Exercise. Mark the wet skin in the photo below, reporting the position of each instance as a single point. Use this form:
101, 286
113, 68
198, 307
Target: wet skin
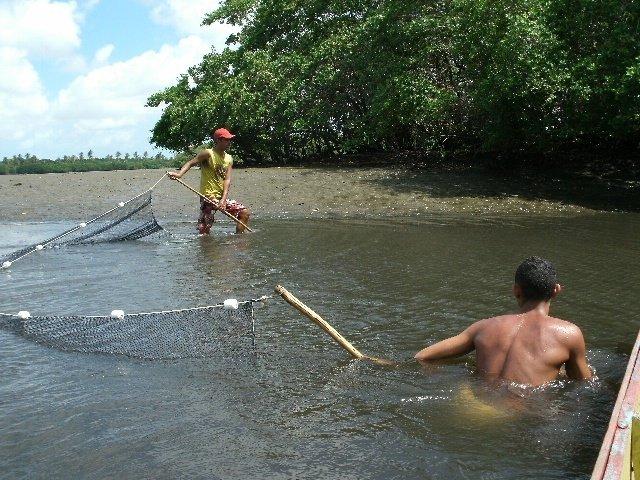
528, 348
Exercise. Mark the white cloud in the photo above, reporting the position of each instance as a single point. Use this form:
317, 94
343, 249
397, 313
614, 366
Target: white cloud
186, 16
32, 29
128, 84
23, 104
20, 77
41, 28
103, 54
104, 109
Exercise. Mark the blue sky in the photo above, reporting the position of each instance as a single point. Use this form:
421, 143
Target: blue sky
76, 74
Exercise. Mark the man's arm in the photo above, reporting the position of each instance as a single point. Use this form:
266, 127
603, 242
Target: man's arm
200, 157
461, 344
577, 367
225, 187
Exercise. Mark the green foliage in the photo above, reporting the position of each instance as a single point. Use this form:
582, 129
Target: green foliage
314, 77
551, 73
20, 164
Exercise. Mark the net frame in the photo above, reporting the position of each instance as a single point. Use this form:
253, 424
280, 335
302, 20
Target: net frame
140, 232
158, 335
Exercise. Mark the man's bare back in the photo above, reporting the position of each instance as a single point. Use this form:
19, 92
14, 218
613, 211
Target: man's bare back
527, 348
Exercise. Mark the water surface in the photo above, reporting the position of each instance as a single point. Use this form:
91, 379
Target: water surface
300, 408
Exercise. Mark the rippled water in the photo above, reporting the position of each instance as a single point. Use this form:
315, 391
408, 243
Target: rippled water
300, 408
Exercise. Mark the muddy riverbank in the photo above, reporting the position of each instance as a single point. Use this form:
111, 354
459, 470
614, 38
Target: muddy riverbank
321, 192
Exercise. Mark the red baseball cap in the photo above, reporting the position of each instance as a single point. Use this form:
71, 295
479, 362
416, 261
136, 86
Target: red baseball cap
223, 133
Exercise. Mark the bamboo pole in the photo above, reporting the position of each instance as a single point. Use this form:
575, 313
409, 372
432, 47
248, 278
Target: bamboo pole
215, 204
318, 320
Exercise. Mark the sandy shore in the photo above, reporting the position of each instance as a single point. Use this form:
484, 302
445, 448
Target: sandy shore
303, 192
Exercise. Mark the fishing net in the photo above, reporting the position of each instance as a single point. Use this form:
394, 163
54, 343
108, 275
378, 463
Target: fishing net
128, 221
189, 333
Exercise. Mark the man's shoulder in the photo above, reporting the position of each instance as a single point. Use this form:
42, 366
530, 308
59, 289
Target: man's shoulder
223, 158
491, 323
565, 333
498, 319
204, 154
563, 327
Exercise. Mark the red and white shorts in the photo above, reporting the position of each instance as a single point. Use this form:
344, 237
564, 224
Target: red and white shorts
207, 210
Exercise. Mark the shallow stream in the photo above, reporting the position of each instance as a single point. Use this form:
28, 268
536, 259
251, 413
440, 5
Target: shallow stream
300, 408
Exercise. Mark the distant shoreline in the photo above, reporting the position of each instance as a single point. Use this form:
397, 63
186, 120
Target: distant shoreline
616, 163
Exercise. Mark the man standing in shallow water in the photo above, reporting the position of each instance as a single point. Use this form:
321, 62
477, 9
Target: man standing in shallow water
528, 348
215, 180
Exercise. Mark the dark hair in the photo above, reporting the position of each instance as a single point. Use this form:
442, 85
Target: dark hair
537, 278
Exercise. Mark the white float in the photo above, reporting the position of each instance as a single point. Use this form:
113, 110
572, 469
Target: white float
119, 314
6, 264
23, 315
231, 304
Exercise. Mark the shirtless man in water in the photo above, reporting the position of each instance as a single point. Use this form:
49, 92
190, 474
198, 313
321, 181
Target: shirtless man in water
526, 348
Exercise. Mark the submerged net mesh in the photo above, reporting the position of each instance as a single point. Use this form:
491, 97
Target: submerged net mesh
134, 219
190, 333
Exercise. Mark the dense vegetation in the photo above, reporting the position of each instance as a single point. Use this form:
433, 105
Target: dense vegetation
317, 77
85, 163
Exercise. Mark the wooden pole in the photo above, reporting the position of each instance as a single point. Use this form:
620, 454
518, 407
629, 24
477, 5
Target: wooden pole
215, 204
318, 320
608, 463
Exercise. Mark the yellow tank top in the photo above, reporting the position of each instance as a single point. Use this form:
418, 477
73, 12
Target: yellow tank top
212, 173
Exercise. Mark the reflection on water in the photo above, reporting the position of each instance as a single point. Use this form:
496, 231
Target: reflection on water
301, 408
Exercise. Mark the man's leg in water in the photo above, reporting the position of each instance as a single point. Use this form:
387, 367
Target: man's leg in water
206, 217
243, 216
239, 211
481, 403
